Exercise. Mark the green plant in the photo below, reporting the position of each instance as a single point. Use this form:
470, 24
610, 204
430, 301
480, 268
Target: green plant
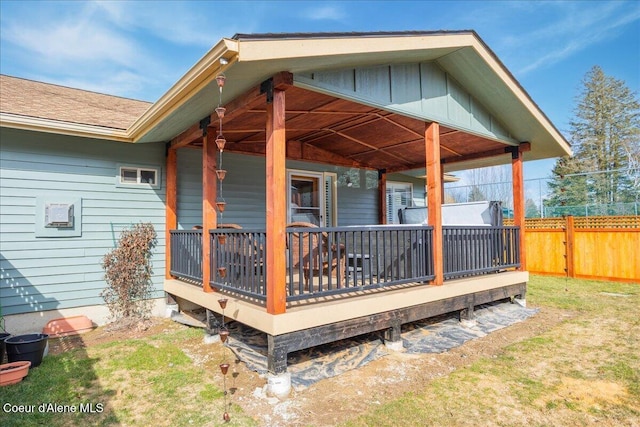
128, 273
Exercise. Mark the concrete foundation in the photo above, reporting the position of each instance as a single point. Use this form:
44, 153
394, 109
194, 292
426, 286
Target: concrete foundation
26, 323
279, 385
394, 345
522, 302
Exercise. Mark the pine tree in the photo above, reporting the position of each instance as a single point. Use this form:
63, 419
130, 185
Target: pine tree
531, 209
605, 135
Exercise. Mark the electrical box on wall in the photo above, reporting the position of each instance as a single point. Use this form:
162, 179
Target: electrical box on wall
58, 215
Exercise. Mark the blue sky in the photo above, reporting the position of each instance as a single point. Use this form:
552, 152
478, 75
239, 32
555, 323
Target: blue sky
138, 49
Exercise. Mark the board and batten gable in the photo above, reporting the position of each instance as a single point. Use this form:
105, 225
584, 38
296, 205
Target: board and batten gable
64, 271
420, 90
244, 190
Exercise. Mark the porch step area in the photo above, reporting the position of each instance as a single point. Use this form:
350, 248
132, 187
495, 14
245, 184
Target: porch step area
435, 335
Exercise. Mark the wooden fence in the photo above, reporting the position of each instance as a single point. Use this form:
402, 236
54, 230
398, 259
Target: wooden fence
606, 247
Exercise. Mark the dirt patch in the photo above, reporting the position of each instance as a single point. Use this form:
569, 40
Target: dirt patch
113, 331
336, 399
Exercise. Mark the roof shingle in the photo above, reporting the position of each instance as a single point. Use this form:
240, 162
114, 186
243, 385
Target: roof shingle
48, 101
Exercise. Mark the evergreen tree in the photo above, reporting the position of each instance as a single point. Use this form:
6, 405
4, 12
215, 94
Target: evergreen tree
531, 209
605, 135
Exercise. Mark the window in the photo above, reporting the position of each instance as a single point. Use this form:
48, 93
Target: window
399, 196
312, 198
138, 176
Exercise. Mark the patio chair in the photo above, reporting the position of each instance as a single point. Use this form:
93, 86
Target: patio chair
312, 252
242, 253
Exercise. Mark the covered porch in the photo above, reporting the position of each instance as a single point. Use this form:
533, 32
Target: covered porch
380, 114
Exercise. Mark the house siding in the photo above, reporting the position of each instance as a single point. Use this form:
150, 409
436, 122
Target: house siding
244, 191
49, 273
421, 90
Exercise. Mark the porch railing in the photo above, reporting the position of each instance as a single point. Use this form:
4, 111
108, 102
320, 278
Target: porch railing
186, 254
332, 260
473, 250
238, 263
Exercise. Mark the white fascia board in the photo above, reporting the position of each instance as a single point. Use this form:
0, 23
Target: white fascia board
38, 124
201, 74
509, 81
283, 49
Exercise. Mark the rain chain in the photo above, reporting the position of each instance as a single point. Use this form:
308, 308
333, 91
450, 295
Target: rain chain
224, 366
220, 142
222, 271
220, 173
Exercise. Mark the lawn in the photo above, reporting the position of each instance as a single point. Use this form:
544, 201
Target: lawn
581, 369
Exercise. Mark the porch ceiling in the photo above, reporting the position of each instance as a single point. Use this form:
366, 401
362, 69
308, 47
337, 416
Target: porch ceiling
327, 129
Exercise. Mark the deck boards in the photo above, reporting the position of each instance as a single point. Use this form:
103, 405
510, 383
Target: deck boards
318, 312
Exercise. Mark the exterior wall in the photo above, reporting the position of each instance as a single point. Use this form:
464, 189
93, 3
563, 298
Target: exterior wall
418, 186
244, 190
33, 322
421, 90
62, 272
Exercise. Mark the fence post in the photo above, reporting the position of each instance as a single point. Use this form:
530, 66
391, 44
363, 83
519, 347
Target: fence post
569, 238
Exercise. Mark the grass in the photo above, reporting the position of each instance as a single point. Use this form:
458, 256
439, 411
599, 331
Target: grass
147, 381
583, 371
586, 370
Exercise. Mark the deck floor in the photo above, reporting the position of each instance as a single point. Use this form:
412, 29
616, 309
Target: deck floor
340, 308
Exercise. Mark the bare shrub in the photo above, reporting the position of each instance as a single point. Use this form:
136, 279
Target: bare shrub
128, 273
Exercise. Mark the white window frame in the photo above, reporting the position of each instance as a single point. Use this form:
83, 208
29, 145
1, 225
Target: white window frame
322, 178
139, 170
391, 210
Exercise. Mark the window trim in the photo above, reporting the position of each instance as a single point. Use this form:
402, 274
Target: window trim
139, 169
392, 185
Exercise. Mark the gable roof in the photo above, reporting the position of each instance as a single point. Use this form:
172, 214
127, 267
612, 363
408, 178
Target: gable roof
249, 59
28, 100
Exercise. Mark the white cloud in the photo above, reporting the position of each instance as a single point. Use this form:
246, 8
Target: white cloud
575, 29
186, 23
324, 13
73, 41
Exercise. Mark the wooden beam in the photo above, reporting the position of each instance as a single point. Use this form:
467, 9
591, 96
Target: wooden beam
525, 146
382, 196
193, 133
434, 196
518, 201
276, 204
234, 108
253, 97
297, 150
171, 209
209, 193
279, 346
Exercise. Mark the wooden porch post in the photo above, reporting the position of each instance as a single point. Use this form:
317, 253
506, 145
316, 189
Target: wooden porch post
209, 220
171, 218
434, 196
382, 196
518, 201
276, 204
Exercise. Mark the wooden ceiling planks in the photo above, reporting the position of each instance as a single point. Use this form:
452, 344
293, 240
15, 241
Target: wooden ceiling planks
338, 131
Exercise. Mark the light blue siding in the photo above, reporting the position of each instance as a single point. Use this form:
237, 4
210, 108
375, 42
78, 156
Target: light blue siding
49, 273
244, 191
421, 90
